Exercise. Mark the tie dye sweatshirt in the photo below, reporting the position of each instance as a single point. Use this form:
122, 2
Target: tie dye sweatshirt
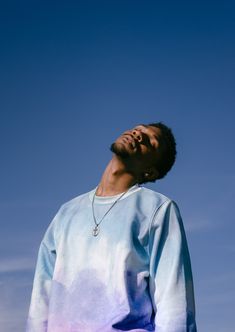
134, 276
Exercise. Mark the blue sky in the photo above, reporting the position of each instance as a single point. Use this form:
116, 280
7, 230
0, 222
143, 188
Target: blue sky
73, 76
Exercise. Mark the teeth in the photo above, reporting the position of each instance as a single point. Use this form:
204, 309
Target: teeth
133, 144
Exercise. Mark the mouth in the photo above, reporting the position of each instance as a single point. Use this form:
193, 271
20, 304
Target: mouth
130, 140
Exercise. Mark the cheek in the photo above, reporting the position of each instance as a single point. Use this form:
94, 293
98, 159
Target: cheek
151, 159
144, 158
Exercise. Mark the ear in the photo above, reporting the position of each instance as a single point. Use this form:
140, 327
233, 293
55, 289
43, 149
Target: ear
151, 174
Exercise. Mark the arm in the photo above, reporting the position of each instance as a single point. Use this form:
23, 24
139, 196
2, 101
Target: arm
38, 311
171, 284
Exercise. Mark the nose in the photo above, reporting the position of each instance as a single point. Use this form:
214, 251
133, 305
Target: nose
137, 135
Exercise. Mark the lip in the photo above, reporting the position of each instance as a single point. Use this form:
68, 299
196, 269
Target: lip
130, 140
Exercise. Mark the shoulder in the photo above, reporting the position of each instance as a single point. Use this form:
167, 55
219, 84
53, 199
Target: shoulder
161, 204
68, 209
150, 202
74, 202
154, 197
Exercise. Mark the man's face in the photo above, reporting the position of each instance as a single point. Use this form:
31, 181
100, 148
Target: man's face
140, 145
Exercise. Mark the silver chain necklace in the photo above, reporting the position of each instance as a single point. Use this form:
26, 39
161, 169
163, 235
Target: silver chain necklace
96, 230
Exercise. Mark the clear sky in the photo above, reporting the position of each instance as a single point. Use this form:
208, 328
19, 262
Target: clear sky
76, 74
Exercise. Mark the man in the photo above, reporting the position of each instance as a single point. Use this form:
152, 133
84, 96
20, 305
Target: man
116, 258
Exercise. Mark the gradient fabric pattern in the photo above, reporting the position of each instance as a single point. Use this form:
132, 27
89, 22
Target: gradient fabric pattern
134, 276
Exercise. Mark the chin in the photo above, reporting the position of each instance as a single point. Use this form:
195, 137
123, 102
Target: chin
119, 150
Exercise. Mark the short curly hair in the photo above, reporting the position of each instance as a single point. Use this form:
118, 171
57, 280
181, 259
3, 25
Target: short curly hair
167, 150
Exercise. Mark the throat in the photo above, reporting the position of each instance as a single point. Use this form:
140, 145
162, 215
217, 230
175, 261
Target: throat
115, 179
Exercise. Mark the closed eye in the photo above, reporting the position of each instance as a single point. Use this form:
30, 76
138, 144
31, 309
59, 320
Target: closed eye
152, 139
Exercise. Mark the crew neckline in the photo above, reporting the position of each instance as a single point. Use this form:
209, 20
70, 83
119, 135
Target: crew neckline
111, 199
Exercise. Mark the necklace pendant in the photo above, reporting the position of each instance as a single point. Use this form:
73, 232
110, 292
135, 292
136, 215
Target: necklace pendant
95, 231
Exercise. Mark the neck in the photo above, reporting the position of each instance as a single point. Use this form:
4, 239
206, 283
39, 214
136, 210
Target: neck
115, 179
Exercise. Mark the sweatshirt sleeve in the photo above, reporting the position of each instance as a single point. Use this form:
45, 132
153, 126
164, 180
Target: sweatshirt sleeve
38, 311
171, 284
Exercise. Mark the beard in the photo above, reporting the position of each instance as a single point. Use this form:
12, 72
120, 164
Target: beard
119, 150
